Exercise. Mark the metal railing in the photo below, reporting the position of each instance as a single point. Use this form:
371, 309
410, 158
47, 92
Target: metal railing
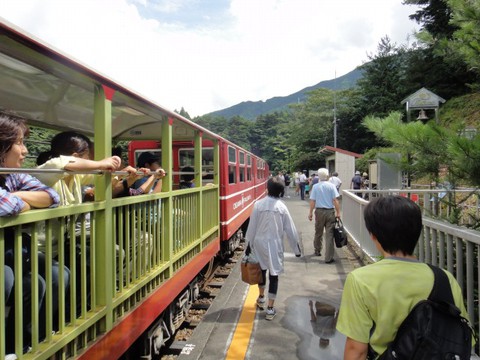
144, 250
449, 246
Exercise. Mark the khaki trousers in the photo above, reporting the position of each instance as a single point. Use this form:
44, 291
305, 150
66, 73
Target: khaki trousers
324, 221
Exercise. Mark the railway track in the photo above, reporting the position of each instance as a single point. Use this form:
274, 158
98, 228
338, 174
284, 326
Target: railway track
215, 279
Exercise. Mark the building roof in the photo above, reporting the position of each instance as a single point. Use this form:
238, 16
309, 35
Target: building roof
423, 99
330, 150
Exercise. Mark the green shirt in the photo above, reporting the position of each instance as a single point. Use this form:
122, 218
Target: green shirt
384, 293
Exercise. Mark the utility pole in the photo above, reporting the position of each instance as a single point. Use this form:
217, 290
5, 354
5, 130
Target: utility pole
335, 111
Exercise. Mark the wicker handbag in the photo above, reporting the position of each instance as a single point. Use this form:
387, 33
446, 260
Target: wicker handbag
251, 270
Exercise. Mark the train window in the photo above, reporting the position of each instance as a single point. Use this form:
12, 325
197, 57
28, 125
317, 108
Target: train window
249, 168
242, 173
232, 155
231, 174
242, 166
207, 164
186, 158
261, 171
232, 165
155, 152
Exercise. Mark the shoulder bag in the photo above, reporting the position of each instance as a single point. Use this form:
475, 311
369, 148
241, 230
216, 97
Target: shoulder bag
339, 234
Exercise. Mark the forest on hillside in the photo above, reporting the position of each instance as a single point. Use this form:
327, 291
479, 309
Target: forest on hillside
444, 58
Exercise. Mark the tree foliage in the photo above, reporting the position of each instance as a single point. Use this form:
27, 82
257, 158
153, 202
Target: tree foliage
38, 141
428, 147
466, 37
269, 139
216, 124
421, 144
437, 62
184, 113
238, 131
382, 84
434, 17
311, 128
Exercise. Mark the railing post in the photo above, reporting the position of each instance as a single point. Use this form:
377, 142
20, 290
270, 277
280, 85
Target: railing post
104, 245
198, 182
167, 208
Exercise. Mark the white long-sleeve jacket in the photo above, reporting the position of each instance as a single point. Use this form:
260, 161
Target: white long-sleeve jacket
269, 222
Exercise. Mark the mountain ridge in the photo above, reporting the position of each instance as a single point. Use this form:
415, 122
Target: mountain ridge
252, 109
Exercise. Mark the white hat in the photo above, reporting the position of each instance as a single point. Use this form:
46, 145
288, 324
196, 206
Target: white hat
357, 172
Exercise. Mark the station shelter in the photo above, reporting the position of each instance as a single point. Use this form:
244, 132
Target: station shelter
341, 161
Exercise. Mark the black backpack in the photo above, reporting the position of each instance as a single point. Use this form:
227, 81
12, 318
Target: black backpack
434, 329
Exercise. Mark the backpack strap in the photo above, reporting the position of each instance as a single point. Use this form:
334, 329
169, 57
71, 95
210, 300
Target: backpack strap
441, 292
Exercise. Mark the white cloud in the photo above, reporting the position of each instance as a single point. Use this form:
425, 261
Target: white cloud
254, 51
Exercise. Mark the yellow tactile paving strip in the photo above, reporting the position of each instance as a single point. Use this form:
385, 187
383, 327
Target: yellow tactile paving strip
241, 337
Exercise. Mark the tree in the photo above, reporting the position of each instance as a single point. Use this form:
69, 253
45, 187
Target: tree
423, 145
383, 78
351, 134
311, 128
434, 17
438, 63
216, 124
37, 142
427, 68
427, 147
466, 37
184, 113
238, 131
268, 139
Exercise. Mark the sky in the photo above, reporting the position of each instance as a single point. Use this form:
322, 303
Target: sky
207, 55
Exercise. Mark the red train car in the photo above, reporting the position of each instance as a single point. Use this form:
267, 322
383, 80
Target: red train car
242, 176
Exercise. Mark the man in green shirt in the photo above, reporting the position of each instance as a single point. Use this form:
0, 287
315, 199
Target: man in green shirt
385, 292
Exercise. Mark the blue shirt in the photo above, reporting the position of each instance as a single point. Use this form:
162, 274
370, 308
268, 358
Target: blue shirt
323, 193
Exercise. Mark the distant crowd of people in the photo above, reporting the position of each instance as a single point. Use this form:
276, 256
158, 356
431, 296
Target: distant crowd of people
303, 183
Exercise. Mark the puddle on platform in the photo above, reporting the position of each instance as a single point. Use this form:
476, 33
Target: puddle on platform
314, 319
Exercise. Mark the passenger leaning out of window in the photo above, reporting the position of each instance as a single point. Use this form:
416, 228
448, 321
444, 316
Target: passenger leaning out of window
20, 192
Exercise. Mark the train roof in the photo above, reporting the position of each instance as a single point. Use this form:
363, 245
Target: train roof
51, 89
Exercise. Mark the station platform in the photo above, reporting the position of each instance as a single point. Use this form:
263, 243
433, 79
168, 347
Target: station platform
233, 328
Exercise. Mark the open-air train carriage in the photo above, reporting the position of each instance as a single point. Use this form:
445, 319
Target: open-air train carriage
142, 257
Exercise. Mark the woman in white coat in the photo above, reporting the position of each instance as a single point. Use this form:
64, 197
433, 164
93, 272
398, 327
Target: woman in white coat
269, 222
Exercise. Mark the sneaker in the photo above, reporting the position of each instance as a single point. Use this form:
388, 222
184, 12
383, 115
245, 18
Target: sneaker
261, 303
270, 314
11, 357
